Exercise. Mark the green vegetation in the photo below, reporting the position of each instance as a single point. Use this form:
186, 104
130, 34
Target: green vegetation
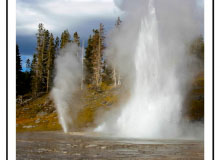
94, 101
39, 114
36, 114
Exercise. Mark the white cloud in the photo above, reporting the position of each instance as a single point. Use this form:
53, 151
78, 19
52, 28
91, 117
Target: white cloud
57, 15
91, 8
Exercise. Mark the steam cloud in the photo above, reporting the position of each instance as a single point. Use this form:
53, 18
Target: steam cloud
150, 49
66, 83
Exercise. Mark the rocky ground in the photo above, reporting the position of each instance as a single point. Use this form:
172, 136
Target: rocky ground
57, 145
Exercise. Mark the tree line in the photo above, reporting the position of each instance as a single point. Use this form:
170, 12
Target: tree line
38, 78
40, 72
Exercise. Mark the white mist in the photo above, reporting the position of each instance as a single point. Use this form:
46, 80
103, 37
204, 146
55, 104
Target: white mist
66, 82
162, 73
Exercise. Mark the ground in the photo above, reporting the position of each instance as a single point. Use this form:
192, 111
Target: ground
57, 145
40, 136
39, 114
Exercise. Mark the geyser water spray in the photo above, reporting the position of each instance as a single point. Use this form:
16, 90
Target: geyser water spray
150, 50
162, 71
67, 80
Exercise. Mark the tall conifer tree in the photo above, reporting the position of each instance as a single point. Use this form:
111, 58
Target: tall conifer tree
115, 75
50, 62
88, 61
65, 38
94, 57
76, 39
18, 72
34, 78
57, 45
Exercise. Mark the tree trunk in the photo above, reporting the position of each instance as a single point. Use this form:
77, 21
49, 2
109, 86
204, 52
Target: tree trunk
119, 80
48, 80
98, 62
114, 77
82, 80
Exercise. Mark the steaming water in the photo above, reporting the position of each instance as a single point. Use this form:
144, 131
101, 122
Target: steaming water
155, 103
66, 83
154, 108
162, 72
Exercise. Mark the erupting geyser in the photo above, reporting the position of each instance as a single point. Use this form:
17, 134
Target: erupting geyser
162, 72
150, 50
66, 83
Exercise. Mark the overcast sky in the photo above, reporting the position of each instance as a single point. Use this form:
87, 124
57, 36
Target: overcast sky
57, 15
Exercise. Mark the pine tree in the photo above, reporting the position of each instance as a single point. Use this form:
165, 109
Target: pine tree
116, 75
101, 49
28, 64
96, 60
57, 45
65, 38
27, 78
76, 39
39, 72
37, 67
82, 60
45, 50
18, 61
88, 62
94, 57
22, 78
50, 62
98, 54
34, 77
18, 72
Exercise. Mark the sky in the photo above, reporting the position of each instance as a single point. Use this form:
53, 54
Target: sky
57, 15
